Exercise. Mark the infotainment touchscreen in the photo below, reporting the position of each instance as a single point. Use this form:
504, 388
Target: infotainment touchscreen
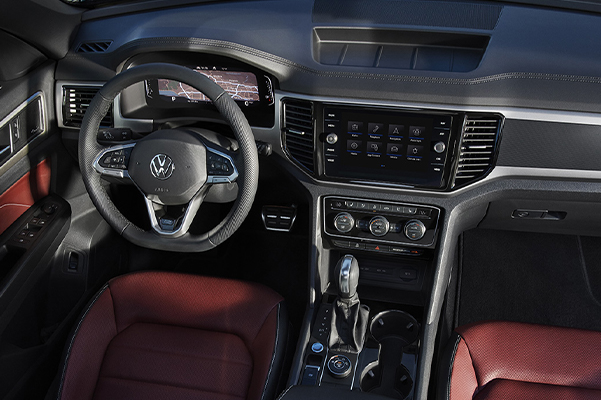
386, 146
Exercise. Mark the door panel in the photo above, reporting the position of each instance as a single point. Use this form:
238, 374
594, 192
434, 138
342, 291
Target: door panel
34, 185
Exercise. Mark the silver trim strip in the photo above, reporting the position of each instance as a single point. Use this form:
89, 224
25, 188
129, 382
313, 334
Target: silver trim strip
568, 117
189, 215
25, 149
345, 274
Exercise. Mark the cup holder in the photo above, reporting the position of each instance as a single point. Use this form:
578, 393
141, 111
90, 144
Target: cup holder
393, 330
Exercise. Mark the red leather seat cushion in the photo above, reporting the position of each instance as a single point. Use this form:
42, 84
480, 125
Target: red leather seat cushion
508, 390
172, 336
491, 357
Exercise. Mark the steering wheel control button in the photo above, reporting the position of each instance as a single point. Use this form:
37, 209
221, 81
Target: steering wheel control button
440, 147
415, 229
218, 165
379, 226
115, 159
332, 138
344, 222
114, 135
339, 366
317, 347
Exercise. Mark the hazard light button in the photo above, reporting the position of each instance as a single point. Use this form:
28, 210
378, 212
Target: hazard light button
377, 247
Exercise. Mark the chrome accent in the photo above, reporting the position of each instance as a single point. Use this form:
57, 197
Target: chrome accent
386, 224
188, 217
381, 241
278, 229
345, 273
115, 173
59, 99
568, 117
349, 216
25, 149
158, 168
219, 178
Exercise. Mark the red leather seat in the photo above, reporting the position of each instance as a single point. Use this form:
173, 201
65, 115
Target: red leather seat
510, 360
169, 336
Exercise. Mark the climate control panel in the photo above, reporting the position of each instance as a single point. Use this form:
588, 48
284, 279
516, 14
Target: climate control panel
385, 223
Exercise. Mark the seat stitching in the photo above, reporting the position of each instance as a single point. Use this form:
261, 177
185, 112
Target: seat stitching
182, 354
168, 385
68, 356
451, 365
275, 346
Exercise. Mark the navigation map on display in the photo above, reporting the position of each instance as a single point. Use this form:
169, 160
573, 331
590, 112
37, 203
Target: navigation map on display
239, 85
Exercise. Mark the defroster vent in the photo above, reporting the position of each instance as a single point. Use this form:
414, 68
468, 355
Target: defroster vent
76, 100
94, 47
478, 148
299, 133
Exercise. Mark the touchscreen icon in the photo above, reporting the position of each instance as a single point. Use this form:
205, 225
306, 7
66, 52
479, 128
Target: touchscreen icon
396, 130
374, 147
355, 126
393, 148
417, 130
353, 145
374, 128
415, 152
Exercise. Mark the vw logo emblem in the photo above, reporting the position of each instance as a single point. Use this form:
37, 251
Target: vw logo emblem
162, 166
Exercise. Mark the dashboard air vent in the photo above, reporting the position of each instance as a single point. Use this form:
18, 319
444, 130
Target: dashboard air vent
298, 132
94, 47
478, 148
76, 100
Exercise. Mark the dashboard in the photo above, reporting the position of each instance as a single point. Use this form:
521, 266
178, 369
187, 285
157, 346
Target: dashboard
406, 122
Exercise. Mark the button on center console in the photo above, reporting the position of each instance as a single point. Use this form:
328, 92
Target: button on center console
380, 226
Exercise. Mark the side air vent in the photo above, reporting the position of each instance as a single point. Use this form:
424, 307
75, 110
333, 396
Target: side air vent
478, 148
94, 47
76, 100
298, 132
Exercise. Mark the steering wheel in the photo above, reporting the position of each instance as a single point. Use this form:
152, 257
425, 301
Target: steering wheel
172, 168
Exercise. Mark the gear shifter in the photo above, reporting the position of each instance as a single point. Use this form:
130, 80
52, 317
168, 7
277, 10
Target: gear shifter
349, 319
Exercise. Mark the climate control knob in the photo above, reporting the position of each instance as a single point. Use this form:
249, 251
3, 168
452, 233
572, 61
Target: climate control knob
379, 226
415, 229
344, 222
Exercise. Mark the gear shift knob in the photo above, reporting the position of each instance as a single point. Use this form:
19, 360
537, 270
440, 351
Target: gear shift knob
347, 272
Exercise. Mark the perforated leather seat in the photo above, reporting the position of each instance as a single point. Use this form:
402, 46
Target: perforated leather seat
509, 360
170, 336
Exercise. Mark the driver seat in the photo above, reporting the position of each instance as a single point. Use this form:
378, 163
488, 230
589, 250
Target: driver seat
160, 335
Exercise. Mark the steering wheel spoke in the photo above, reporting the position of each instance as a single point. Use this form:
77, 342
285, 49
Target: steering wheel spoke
221, 167
173, 221
114, 161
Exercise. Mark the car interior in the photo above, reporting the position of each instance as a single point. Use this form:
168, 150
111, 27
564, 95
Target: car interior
300, 199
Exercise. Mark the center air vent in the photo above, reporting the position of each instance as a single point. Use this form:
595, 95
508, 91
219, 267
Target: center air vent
479, 142
76, 100
298, 132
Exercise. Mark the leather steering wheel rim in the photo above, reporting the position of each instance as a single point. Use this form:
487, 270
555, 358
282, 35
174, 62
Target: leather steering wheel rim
248, 164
